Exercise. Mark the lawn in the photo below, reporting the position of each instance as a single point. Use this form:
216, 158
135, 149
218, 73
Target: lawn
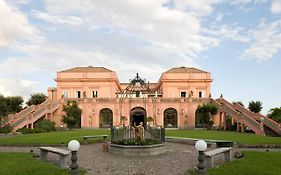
50, 138
63, 137
25, 164
253, 163
244, 138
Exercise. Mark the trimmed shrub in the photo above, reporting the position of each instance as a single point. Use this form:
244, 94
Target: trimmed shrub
6, 129
30, 131
42, 125
137, 142
45, 125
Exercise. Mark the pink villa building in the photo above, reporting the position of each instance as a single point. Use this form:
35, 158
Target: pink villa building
170, 102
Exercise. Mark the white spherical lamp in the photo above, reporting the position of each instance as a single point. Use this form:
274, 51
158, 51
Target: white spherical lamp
73, 145
200, 145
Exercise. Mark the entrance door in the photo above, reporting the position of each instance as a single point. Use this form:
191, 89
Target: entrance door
138, 114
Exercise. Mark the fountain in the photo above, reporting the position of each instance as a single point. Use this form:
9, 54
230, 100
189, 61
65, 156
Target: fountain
138, 140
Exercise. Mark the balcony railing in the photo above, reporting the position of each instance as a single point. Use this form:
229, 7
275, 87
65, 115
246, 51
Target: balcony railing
142, 99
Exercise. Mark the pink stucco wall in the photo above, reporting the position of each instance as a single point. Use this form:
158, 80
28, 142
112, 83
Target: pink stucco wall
107, 85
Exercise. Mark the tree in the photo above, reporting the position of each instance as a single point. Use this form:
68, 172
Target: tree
205, 113
73, 115
275, 114
10, 105
36, 99
14, 104
255, 106
3, 106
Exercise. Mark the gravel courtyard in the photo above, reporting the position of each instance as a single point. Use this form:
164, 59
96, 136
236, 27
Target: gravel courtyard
177, 160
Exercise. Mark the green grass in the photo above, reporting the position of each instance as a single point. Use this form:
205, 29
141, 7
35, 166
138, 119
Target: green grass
50, 138
63, 137
244, 138
25, 164
253, 163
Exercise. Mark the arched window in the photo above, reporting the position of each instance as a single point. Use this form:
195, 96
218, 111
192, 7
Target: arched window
170, 118
105, 118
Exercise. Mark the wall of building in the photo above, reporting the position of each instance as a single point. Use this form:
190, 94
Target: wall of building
107, 84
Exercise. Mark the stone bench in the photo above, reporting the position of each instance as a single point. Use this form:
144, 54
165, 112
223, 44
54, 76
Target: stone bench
94, 136
63, 155
209, 155
222, 143
191, 141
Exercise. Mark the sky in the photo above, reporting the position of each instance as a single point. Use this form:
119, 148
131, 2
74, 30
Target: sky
238, 41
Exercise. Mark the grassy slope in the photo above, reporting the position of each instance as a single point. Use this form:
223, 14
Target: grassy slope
253, 163
245, 138
24, 164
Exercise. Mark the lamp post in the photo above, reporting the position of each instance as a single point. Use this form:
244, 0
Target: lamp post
73, 146
201, 146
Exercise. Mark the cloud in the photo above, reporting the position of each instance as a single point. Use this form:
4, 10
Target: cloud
66, 19
266, 43
276, 6
175, 29
241, 2
13, 87
13, 25
198, 7
229, 32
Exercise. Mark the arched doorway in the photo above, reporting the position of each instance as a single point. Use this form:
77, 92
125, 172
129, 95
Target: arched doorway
170, 118
138, 114
201, 119
105, 118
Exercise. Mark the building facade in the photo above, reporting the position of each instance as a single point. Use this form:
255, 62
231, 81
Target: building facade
171, 102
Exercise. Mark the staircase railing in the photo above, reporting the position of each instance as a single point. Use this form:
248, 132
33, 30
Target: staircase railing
30, 116
270, 123
257, 116
241, 117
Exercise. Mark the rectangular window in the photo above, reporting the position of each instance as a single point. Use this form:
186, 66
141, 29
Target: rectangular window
183, 94
95, 93
200, 94
78, 94
65, 94
137, 93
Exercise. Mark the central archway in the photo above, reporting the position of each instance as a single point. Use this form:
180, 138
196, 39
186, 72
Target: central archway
138, 114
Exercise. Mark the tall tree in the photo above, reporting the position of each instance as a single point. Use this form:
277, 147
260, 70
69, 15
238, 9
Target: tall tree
36, 99
3, 106
204, 114
255, 106
275, 114
73, 115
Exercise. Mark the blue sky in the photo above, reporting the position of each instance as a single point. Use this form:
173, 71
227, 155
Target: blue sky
238, 41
